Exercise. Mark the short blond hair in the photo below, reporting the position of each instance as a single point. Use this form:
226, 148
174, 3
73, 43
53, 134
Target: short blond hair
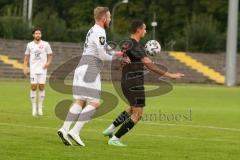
99, 12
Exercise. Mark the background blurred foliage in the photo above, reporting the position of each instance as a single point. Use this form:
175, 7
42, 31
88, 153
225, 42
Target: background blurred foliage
190, 25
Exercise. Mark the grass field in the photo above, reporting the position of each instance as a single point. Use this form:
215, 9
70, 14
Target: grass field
212, 133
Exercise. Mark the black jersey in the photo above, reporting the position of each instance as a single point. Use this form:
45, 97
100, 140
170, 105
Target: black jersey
133, 75
135, 69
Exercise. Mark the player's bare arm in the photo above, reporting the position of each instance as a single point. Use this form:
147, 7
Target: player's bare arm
49, 61
25, 65
152, 67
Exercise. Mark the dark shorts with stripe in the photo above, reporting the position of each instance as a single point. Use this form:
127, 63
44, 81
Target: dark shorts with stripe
135, 94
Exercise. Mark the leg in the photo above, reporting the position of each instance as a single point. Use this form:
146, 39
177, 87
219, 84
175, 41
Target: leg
136, 115
41, 95
118, 121
41, 78
122, 117
90, 92
72, 115
84, 117
33, 95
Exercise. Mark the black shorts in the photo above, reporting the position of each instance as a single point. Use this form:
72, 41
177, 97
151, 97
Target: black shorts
134, 95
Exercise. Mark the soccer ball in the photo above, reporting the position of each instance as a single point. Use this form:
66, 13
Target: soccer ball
152, 47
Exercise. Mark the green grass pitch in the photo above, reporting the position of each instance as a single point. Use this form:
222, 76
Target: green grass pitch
212, 133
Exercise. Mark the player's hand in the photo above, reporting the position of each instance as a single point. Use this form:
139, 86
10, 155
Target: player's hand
118, 53
125, 60
46, 66
176, 75
26, 71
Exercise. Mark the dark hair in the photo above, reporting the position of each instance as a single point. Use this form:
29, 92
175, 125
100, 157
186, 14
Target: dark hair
36, 29
135, 25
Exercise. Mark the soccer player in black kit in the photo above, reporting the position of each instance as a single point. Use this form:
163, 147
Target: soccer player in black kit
132, 84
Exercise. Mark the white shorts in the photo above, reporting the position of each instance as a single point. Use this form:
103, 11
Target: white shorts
86, 87
38, 78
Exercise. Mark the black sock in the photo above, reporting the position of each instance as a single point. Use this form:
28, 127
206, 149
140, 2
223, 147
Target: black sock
127, 126
121, 118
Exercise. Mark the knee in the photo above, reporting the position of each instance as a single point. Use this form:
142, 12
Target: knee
81, 103
136, 117
129, 110
33, 87
41, 87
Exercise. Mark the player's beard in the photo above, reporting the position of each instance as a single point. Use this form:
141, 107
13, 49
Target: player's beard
37, 39
106, 25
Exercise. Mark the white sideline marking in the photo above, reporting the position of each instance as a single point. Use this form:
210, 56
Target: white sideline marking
161, 124
197, 126
180, 125
158, 124
188, 138
136, 134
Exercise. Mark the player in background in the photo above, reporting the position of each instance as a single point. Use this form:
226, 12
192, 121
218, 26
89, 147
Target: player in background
133, 80
38, 55
87, 80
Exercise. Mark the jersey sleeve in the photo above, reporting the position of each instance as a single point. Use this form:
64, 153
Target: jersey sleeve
48, 49
27, 52
102, 47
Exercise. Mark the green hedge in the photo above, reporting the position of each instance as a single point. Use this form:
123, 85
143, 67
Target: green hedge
14, 28
201, 35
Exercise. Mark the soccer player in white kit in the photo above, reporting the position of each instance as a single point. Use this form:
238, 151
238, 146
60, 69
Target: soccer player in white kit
87, 81
39, 56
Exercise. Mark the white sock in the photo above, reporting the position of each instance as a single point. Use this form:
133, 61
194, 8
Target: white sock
41, 95
84, 117
33, 95
114, 138
72, 115
111, 128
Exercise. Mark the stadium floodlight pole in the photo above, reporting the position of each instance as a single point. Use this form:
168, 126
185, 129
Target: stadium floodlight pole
113, 12
154, 25
231, 57
25, 6
30, 7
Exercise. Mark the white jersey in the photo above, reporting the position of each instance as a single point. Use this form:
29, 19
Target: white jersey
38, 56
95, 43
87, 79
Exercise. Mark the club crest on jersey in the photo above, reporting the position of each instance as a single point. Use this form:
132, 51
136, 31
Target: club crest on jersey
102, 40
